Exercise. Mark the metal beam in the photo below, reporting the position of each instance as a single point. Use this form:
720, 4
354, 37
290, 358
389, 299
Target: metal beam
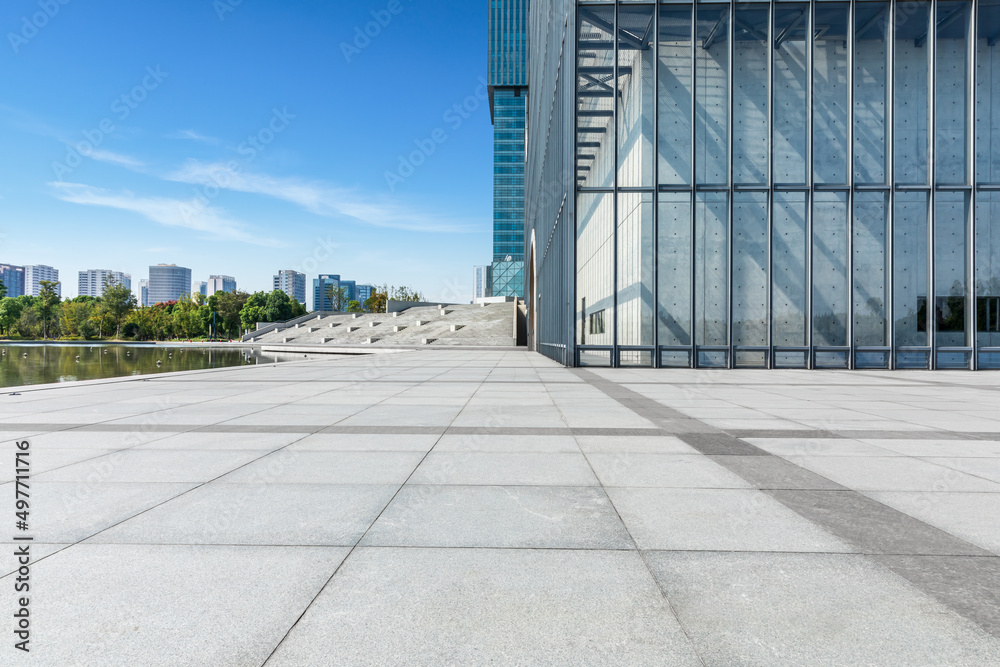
943, 23
779, 40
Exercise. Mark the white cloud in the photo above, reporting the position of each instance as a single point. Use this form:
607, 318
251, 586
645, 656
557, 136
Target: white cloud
191, 135
318, 198
210, 221
116, 158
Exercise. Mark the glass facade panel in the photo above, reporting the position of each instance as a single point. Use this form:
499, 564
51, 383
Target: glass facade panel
751, 71
988, 92
675, 91
635, 268
790, 280
988, 269
674, 249
750, 276
712, 95
791, 84
911, 94
712, 268
635, 96
951, 252
951, 105
830, 93
910, 273
871, 269
829, 261
871, 89
595, 96
595, 266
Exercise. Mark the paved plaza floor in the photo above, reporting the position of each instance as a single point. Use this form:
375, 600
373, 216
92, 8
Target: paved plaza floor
494, 508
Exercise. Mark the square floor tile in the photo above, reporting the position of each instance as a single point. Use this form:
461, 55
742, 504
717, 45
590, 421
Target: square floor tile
504, 469
297, 467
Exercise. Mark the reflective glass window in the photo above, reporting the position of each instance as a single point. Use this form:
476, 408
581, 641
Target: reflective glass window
595, 91
871, 89
911, 93
712, 268
830, 93
791, 83
675, 91
951, 232
789, 278
829, 260
674, 252
595, 256
751, 71
636, 88
910, 276
712, 94
635, 268
988, 269
951, 105
988, 92
750, 275
871, 269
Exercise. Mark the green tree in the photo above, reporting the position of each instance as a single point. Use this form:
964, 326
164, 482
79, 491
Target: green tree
354, 307
252, 311
48, 304
117, 301
3, 290
10, 313
376, 303
337, 297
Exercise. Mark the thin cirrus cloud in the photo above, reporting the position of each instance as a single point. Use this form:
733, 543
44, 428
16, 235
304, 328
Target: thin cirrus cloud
116, 158
315, 197
208, 220
191, 135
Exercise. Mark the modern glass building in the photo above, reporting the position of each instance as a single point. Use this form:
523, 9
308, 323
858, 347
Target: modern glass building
167, 282
769, 185
12, 278
291, 283
508, 73
91, 282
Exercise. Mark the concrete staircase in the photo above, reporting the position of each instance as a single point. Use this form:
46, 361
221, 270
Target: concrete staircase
490, 325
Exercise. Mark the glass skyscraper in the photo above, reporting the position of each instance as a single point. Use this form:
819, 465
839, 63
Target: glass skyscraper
770, 185
508, 74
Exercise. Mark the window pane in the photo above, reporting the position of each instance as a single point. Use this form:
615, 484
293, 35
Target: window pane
712, 94
675, 94
830, 269
791, 23
951, 104
830, 93
674, 252
594, 248
635, 96
750, 93
871, 270
635, 268
789, 269
870, 92
911, 93
951, 217
712, 269
750, 268
988, 268
988, 92
595, 96
910, 277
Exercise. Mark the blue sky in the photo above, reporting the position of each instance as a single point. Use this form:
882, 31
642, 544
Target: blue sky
241, 137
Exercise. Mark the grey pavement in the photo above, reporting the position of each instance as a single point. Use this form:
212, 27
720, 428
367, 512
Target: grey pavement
489, 507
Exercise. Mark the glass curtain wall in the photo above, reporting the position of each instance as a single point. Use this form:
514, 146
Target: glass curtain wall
788, 184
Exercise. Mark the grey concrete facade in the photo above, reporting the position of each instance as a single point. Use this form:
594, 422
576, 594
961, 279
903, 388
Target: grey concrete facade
486, 507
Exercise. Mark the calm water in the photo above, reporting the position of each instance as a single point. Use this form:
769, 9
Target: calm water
36, 363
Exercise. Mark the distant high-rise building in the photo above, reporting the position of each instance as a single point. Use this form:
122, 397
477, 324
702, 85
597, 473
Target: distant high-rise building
35, 274
291, 283
482, 281
322, 288
144, 292
13, 279
508, 90
363, 292
221, 284
167, 282
200, 288
91, 283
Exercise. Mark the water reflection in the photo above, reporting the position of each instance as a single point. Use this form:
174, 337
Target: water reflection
27, 363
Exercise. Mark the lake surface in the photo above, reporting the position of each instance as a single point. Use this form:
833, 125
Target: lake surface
42, 363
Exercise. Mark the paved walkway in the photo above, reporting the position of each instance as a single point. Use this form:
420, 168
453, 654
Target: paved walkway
494, 508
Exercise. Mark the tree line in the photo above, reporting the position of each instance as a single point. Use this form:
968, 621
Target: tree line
117, 314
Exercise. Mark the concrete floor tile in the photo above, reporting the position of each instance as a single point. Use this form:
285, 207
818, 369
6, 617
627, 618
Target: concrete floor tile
306, 467
663, 471
158, 466
504, 469
489, 606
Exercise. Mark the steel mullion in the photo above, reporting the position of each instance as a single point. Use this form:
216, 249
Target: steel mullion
931, 324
